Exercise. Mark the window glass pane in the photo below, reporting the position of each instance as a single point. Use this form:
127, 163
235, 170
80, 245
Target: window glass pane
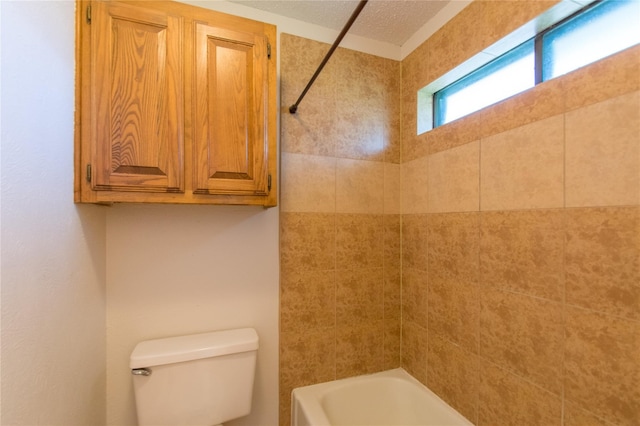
608, 27
511, 73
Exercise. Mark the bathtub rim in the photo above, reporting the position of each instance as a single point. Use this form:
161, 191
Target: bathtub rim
316, 393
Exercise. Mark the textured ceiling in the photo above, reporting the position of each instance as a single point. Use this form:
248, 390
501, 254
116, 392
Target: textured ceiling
391, 21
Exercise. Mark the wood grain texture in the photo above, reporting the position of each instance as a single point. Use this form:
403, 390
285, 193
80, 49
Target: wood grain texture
144, 126
138, 109
230, 116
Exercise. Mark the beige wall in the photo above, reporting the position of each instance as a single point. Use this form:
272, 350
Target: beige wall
53, 252
520, 232
340, 223
521, 239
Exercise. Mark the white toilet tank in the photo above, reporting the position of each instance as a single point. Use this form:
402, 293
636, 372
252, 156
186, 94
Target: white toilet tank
201, 379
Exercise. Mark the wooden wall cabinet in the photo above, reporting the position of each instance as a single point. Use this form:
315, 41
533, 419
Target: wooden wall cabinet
174, 104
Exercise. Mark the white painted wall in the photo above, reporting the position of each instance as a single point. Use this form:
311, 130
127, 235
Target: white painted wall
53, 252
198, 267
176, 270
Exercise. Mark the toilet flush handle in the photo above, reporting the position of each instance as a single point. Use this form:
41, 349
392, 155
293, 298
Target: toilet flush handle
141, 372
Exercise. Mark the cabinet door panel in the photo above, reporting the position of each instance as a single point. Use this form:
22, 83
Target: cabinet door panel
230, 138
138, 101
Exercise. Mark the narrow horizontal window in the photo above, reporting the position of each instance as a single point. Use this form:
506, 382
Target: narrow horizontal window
600, 29
511, 73
606, 28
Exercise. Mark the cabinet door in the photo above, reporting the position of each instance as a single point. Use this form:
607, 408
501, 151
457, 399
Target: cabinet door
230, 140
137, 100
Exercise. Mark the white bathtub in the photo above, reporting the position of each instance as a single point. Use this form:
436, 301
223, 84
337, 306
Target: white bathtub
388, 398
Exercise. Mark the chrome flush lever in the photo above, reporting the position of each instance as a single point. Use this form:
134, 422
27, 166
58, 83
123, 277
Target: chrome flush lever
141, 372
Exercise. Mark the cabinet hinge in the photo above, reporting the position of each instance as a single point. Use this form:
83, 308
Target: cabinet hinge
88, 172
269, 183
269, 50
89, 14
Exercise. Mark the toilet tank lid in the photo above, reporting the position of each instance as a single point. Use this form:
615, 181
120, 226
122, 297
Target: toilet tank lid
196, 346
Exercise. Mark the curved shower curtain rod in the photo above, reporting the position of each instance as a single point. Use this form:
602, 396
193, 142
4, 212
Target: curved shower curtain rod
293, 108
